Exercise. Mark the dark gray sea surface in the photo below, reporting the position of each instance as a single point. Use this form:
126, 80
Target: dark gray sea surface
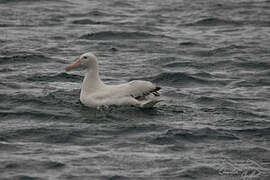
211, 58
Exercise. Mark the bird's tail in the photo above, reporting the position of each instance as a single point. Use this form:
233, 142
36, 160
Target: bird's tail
150, 102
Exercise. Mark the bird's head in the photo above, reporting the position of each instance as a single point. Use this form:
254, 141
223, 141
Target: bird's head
86, 60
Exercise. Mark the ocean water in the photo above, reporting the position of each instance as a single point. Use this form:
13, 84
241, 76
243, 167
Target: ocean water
211, 58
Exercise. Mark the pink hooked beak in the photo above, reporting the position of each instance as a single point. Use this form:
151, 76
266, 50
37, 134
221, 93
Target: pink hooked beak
77, 63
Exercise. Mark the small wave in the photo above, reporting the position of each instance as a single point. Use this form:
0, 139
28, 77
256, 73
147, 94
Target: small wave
197, 172
52, 99
204, 74
255, 132
115, 177
57, 38
161, 140
52, 22
179, 64
204, 133
182, 78
61, 77
16, 1
251, 83
5, 70
23, 168
215, 101
28, 165
264, 73
69, 136
243, 112
122, 4
51, 164
173, 135
213, 22
95, 13
38, 110
188, 43
5, 25
6, 85
176, 78
136, 129
224, 22
88, 21
218, 64
254, 150
111, 35
24, 177
2, 40
242, 123
163, 60
258, 153
247, 64
8, 147
37, 114
220, 51
12, 1
44, 134
25, 58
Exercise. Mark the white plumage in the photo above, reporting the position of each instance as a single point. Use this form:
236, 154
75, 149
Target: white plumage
94, 93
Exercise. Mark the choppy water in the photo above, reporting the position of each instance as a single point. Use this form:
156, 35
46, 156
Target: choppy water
212, 59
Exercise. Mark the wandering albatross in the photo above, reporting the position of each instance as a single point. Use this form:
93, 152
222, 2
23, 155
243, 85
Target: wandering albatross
94, 93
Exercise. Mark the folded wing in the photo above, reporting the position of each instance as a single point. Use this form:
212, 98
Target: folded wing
138, 89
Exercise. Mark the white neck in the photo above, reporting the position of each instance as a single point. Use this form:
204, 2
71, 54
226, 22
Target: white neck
91, 82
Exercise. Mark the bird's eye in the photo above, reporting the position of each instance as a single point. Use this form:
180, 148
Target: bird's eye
84, 57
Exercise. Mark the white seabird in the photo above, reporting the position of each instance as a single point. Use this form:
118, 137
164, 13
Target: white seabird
94, 93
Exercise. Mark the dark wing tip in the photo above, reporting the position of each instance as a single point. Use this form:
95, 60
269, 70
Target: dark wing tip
157, 88
153, 91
